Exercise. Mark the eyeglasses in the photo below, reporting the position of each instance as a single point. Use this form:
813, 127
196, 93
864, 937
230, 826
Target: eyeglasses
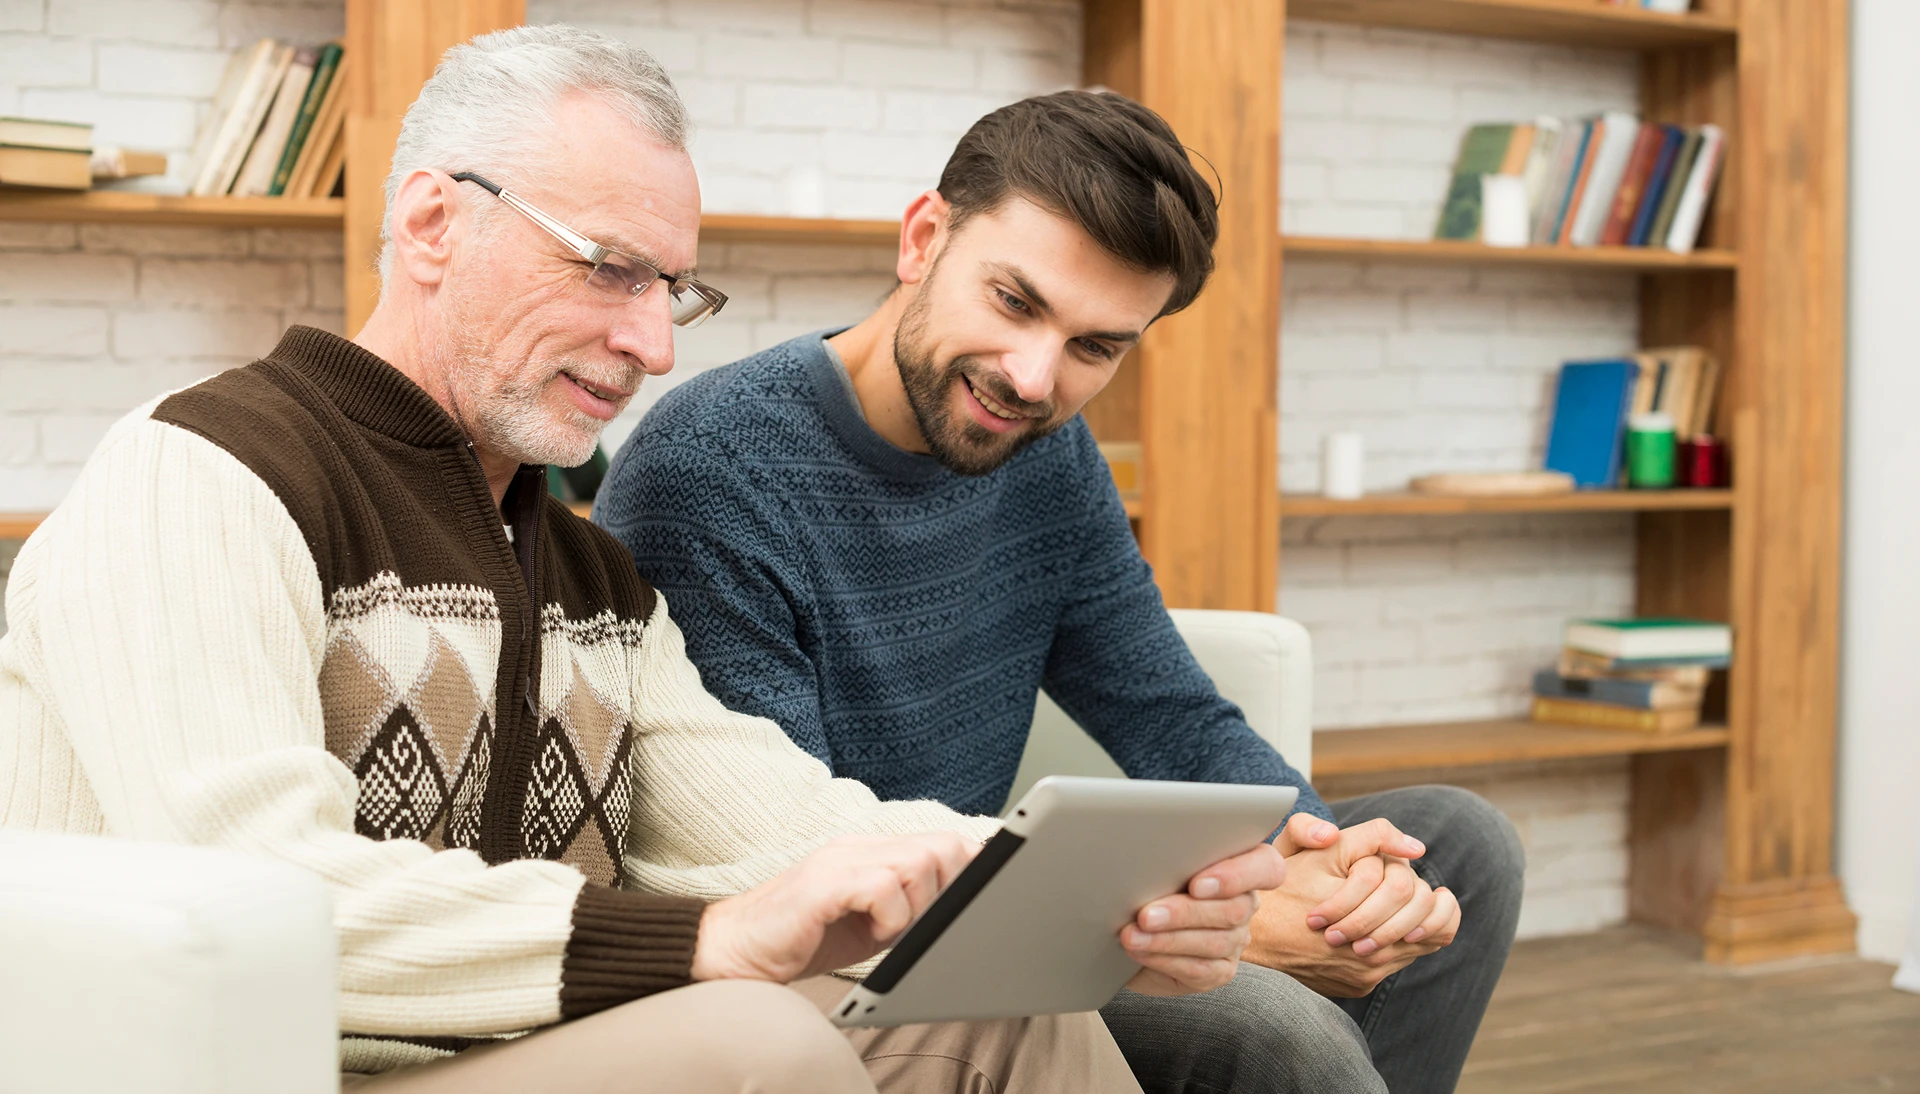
616, 277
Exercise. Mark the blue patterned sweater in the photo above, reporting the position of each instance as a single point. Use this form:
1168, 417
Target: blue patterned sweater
896, 619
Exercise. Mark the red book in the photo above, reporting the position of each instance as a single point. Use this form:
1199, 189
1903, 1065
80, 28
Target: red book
1626, 202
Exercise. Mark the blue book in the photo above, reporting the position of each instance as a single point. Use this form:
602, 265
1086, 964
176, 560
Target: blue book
1588, 434
1672, 137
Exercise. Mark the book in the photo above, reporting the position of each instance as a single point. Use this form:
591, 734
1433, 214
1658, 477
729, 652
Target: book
1650, 637
256, 174
1580, 712
1681, 387
1621, 131
1591, 666
327, 126
37, 133
1587, 435
1692, 211
110, 162
1542, 156
1634, 694
1482, 152
331, 179
1577, 187
1706, 396
1633, 184
1553, 196
247, 72
45, 168
325, 64
1671, 138
1676, 185
1647, 382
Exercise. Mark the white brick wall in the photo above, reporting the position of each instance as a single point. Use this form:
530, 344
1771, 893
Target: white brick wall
870, 93
1439, 368
1445, 368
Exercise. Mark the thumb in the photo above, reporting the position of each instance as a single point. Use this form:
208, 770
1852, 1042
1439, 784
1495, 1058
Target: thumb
1305, 832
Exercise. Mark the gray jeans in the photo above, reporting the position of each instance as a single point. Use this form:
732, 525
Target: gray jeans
1266, 1033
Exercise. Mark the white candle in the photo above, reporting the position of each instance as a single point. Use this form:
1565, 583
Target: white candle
1342, 465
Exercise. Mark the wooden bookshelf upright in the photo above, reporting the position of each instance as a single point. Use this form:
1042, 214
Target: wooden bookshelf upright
1732, 826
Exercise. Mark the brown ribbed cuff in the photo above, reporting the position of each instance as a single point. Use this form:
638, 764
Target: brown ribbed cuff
626, 945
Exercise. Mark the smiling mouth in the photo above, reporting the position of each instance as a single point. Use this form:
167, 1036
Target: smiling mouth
992, 405
598, 391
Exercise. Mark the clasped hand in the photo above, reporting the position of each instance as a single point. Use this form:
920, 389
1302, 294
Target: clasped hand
855, 896
1352, 911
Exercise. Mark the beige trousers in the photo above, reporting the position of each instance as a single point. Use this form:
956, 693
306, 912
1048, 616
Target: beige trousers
748, 1037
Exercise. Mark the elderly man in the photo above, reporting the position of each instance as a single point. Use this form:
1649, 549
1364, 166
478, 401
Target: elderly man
322, 608
889, 537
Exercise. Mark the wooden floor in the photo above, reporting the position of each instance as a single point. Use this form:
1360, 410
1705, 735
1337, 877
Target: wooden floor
1634, 1010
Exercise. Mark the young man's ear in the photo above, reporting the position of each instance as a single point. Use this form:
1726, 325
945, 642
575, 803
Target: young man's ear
923, 231
425, 211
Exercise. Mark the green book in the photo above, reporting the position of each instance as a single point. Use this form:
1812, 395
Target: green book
1482, 151
1650, 638
303, 123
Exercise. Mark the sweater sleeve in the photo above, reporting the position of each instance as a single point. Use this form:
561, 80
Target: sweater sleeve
724, 801
1119, 668
172, 632
703, 537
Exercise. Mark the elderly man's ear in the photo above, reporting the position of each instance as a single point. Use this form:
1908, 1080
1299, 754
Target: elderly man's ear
427, 219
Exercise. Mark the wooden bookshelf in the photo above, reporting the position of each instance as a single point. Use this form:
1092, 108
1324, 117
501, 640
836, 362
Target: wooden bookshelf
742, 228
19, 525
1451, 252
128, 207
1567, 22
1381, 749
1580, 501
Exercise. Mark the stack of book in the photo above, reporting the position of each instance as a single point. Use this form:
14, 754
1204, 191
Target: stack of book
1641, 674
1593, 400
45, 154
277, 128
1607, 180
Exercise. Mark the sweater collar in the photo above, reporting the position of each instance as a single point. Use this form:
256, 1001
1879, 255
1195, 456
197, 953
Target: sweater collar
366, 388
840, 406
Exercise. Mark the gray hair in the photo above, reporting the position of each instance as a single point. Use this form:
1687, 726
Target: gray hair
489, 105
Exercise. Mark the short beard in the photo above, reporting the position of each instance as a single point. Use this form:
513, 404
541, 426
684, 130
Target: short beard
962, 446
501, 408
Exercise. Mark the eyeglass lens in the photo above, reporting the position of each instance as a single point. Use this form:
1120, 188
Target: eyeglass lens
621, 278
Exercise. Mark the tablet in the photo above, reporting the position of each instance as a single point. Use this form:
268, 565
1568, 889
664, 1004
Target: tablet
1032, 925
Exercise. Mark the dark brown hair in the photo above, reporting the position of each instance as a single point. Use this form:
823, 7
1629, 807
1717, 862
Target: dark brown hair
1103, 161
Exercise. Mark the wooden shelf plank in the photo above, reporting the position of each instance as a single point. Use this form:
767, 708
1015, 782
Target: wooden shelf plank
1580, 501
19, 525
129, 207
1466, 744
1566, 22
1479, 254
744, 228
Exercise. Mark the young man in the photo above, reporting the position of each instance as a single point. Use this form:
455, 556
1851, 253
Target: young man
322, 608
887, 538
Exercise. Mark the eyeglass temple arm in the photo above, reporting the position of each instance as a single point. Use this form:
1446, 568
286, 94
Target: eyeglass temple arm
584, 247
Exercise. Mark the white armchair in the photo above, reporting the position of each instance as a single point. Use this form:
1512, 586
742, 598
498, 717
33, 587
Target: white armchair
162, 968
1261, 663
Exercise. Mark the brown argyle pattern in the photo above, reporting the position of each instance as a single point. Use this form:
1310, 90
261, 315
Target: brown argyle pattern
407, 689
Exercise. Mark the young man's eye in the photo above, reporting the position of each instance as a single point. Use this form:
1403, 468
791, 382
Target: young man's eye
1096, 350
1012, 302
